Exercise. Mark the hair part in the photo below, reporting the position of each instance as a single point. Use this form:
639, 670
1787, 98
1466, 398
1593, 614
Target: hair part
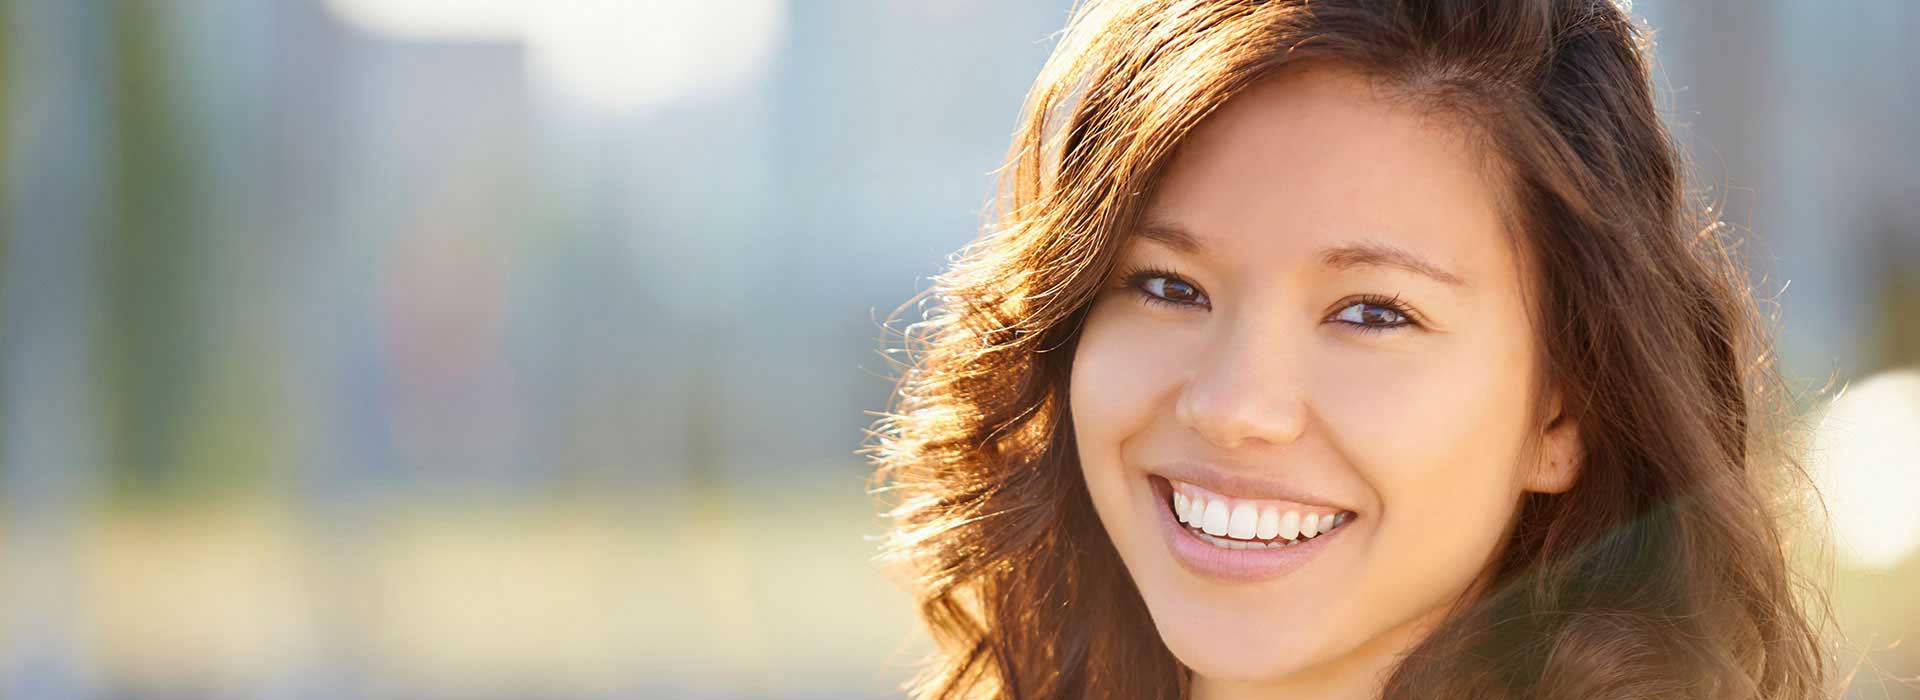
1662, 573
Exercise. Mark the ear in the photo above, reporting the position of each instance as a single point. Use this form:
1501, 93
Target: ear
1561, 455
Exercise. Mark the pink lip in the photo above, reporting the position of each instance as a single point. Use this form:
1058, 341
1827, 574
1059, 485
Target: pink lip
1237, 484
1241, 565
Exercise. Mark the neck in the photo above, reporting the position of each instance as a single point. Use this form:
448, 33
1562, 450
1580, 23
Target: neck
1357, 675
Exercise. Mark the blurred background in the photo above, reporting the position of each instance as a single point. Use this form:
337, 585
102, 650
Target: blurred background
492, 349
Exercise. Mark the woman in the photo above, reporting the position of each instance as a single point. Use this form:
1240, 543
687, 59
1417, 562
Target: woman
1346, 349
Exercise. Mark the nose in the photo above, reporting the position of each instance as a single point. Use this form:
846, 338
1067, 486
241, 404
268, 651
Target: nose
1247, 391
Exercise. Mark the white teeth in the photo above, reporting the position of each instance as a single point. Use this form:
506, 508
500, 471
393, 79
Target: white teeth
1245, 518
1248, 525
1269, 524
1289, 526
1214, 521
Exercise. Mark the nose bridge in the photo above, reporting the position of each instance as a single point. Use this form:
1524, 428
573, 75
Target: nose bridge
1249, 386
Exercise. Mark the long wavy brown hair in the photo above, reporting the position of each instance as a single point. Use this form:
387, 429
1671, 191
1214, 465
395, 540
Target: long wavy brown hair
1663, 573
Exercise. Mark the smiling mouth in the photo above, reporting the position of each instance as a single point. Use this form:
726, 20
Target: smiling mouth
1233, 523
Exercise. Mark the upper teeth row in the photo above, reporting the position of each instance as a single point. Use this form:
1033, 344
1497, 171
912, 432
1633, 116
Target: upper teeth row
1248, 521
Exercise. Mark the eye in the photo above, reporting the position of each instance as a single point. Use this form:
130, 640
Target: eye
1373, 314
1156, 286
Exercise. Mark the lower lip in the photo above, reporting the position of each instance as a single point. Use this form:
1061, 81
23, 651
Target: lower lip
1240, 565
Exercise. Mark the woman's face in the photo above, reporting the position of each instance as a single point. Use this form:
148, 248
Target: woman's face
1320, 323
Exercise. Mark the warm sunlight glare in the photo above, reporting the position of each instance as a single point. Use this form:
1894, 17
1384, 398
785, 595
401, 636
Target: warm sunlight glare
1866, 455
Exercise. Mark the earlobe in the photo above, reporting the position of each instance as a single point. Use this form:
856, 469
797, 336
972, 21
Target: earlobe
1554, 475
1560, 461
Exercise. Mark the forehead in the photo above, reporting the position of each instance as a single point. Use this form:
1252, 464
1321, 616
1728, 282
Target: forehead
1315, 159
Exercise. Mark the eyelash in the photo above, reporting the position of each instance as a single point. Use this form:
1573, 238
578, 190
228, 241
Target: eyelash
1136, 277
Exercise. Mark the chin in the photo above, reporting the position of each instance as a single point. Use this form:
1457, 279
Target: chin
1225, 642
1243, 662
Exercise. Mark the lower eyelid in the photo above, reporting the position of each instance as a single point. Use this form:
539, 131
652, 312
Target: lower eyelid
1373, 328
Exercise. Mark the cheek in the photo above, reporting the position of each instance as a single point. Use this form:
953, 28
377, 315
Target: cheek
1437, 436
1119, 374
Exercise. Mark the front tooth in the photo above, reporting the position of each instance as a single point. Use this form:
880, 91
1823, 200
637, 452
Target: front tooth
1214, 519
1180, 506
1289, 526
1245, 518
1326, 522
1269, 523
1310, 525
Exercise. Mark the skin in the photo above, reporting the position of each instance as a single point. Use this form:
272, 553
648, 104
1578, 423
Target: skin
1421, 430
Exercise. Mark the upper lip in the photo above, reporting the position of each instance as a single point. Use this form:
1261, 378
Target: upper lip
1237, 484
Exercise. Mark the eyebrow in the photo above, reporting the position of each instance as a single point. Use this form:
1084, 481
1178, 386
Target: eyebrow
1345, 256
